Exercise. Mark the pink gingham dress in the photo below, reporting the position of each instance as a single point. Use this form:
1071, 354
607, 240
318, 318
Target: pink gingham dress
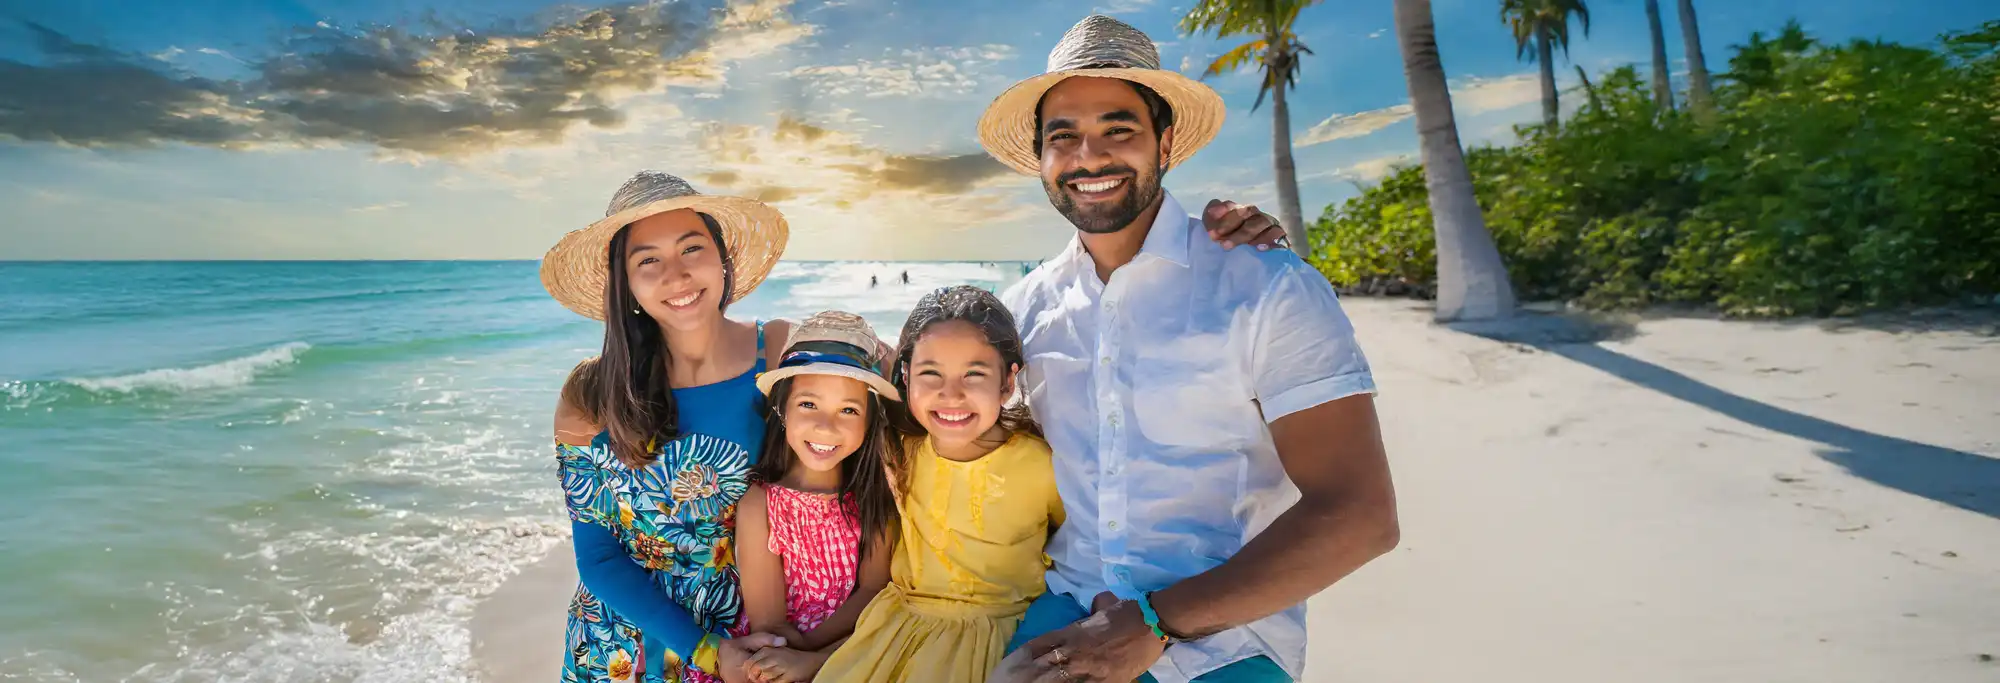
819, 539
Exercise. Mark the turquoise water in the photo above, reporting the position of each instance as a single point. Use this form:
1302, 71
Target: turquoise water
296, 471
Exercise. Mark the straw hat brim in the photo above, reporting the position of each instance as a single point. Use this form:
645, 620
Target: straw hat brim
574, 270
874, 381
1007, 129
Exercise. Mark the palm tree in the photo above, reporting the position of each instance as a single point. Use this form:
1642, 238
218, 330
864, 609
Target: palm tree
1545, 23
1663, 89
1472, 282
1278, 49
1700, 97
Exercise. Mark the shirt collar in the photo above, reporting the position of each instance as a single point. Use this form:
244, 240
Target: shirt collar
1168, 238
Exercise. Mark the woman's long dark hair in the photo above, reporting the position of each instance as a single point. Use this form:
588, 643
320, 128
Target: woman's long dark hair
984, 310
624, 389
864, 479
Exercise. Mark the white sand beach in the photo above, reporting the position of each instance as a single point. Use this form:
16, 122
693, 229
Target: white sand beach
1693, 499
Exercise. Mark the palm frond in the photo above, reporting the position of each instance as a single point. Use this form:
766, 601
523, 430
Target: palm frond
1235, 58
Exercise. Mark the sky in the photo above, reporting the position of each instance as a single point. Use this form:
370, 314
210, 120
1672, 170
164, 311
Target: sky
485, 129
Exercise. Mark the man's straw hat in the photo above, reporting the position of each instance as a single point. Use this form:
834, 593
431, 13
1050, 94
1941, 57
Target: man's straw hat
754, 234
833, 343
1100, 47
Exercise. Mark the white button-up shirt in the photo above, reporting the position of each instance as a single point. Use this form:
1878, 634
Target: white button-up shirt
1155, 390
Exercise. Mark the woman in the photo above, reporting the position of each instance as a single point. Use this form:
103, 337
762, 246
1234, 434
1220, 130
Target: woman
655, 436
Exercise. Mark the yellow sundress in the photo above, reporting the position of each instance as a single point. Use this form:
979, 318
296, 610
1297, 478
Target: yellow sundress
969, 561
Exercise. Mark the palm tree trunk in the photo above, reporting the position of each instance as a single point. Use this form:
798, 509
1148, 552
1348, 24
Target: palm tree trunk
1289, 212
1700, 98
1663, 89
1547, 55
1472, 282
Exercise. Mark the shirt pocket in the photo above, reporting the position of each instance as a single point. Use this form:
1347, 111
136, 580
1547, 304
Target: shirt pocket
1187, 392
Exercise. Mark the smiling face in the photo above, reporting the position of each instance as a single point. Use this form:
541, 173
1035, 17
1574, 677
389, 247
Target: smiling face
674, 269
958, 385
826, 419
1100, 153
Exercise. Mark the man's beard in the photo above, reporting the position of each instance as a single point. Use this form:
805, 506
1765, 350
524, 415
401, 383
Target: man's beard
1098, 219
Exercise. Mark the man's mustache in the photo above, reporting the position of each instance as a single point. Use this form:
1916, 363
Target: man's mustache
1081, 174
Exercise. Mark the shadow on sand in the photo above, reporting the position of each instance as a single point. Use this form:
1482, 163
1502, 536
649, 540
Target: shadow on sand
1965, 480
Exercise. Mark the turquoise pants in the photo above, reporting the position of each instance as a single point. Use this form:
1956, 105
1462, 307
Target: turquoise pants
1054, 610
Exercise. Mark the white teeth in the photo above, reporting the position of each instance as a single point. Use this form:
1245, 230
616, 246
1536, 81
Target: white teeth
1097, 186
683, 301
952, 416
819, 447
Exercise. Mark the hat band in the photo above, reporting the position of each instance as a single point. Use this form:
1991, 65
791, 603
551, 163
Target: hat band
835, 352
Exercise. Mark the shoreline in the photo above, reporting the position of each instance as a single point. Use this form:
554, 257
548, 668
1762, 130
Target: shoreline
517, 631
1687, 498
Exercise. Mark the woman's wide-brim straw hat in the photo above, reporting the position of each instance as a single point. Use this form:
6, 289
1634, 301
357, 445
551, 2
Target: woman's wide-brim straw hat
576, 269
1100, 47
833, 343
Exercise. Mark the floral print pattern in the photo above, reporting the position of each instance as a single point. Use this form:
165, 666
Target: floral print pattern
676, 517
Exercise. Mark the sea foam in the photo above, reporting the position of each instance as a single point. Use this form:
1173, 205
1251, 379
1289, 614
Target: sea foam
229, 373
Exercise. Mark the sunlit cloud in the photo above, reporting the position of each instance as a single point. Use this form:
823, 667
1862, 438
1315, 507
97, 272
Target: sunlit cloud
1364, 171
443, 93
1116, 7
1468, 97
846, 197
1481, 95
935, 72
1343, 126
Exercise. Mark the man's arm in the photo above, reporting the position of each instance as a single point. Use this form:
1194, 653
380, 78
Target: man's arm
1345, 517
1314, 385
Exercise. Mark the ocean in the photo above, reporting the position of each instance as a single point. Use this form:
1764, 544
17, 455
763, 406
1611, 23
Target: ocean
298, 471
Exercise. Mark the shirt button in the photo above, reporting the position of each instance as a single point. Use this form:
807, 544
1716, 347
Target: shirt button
1113, 524
1105, 360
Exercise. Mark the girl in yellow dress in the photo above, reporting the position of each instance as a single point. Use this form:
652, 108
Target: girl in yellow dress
977, 496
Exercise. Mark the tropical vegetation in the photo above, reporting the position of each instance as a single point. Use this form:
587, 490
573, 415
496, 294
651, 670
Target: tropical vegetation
1544, 26
1276, 50
1815, 178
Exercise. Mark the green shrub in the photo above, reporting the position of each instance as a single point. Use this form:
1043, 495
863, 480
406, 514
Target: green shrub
1834, 179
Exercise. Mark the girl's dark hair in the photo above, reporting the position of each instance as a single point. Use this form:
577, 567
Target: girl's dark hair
624, 389
864, 479
984, 310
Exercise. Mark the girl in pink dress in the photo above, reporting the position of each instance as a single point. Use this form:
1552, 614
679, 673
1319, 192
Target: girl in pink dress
814, 533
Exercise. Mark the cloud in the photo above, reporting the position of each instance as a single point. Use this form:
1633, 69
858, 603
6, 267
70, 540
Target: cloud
935, 72
1377, 33
1468, 97
839, 189
1481, 95
445, 93
86, 94
1366, 170
1123, 7
1343, 126
841, 166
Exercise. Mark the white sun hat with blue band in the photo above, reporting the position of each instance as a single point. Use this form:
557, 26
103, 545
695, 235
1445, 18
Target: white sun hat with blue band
833, 343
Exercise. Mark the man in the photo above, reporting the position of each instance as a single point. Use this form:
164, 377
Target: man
1212, 416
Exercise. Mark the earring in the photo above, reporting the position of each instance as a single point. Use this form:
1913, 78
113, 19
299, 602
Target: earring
636, 312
